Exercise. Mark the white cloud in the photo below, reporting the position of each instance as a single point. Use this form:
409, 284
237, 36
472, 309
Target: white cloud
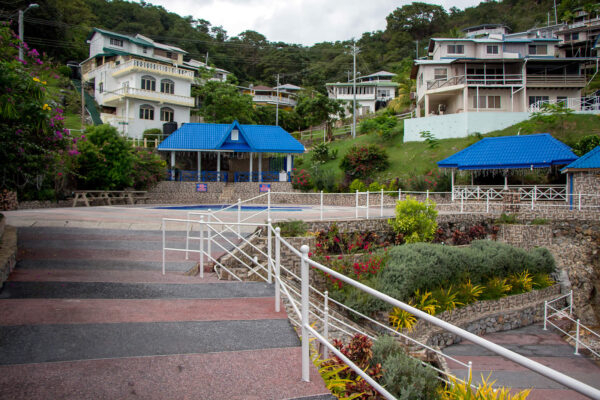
297, 21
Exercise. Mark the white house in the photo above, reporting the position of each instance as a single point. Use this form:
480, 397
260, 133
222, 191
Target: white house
372, 91
483, 84
138, 83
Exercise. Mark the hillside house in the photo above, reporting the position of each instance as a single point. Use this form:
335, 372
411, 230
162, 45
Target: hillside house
372, 92
285, 96
139, 83
492, 81
583, 180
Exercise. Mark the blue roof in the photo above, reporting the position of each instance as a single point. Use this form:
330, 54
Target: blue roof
511, 152
589, 160
252, 138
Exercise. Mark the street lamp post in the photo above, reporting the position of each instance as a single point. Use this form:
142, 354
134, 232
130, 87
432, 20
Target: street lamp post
22, 26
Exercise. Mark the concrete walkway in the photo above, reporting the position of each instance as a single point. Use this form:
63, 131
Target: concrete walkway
545, 347
87, 314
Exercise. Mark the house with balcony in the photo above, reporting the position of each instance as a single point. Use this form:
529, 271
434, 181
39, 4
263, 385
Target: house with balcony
285, 96
482, 84
373, 92
581, 38
138, 83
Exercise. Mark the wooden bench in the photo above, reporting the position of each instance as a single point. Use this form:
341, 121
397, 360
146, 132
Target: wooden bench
109, 197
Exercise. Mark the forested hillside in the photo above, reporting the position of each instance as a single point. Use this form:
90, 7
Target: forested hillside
59, 27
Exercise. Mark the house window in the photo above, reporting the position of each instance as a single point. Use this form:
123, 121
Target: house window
575, 36
235, 134
536, 49
456, 49
492, 49
145, 49
535, 99
167, 86
148, 83
169, 54
440, 73
493, 102
420, 80
116, 42
101, 87
166, 114
479, 102
146, 111
567, 37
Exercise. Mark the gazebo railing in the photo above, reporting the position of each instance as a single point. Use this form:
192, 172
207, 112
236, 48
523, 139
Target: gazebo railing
527, 192
266, 176
192, 176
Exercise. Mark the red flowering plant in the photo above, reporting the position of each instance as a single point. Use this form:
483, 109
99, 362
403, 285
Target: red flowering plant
301, 180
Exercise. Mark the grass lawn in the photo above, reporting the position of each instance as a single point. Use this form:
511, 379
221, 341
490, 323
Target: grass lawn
416, 158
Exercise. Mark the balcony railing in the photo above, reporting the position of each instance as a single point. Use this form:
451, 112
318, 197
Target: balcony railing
591, 103
273, 100
150, 66
508, 80
556, 80
151, 95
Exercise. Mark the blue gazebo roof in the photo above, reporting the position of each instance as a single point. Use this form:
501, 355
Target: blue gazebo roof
217, 137
590, 160
511, 152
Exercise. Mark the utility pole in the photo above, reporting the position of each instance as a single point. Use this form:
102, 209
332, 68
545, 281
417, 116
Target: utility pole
206, 59
22, 27
417, 49
355, 51
277, 103
555, 14
82, 103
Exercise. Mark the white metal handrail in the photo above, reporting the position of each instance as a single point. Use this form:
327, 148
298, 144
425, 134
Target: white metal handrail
560, 313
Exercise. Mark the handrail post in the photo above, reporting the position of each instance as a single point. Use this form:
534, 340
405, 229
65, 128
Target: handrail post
269, 208
239, 214
427, 197
305, 323
277, 268
187, 239
321, 205
356, 206
202, 246
399, 194
533, 197
326, 323
577, 338
579, 202
462, 197
209, 235
269, 253
571, 303
487, 201
367, 204
164, 245
545, 314
470, 368
381, 204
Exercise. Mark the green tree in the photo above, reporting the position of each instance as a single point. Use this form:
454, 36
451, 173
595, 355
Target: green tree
222, 102
586, 144
419, 19
36, 147
317, 108
106, 160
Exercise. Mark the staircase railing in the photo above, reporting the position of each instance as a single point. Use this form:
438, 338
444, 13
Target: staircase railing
550, 312
302, 313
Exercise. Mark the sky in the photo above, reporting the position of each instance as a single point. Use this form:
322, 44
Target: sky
297, 21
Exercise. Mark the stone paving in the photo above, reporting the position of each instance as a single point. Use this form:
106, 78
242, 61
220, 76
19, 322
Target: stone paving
87, 314
545, 347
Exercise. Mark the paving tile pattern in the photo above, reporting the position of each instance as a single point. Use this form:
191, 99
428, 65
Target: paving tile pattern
88, 315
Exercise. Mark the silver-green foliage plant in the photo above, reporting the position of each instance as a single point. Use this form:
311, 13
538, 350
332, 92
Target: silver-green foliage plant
415, 220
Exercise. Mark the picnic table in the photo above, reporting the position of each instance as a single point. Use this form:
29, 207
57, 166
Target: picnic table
109, 196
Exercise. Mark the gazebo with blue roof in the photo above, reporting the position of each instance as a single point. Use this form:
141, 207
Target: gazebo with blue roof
583, 177
504, 153
234, 142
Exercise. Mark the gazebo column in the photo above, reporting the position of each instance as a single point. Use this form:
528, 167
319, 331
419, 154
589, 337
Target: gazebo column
199, 166
260, 167
288, 165
218, 166
172, 165
505, 182
250, 177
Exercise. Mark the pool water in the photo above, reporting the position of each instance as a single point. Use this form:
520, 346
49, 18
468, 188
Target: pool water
216, 207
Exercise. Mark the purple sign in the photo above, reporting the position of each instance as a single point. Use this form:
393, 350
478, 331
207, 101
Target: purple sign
201, 187
264, 187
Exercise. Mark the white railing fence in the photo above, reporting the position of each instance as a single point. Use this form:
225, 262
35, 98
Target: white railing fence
590, 103
550, 312
303, 307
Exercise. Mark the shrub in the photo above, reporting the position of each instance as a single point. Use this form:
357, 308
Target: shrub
507, 219
403, 376
460, 390
401, 319
586, 144
363, 161
446, 299
541, 281
539, 221
324, 179
426, 267
520, 282
301, 180
148, 168
415, 220
374, 187
496, 288
430, 139
292, 228
425, 302
357, 184
321, 154
469, 293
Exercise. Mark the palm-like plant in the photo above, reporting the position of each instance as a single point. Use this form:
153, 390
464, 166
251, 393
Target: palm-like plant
446, 299
469, 293
401, 319
425, 302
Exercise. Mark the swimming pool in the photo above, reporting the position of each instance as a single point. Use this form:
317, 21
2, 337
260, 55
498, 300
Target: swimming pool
216, 207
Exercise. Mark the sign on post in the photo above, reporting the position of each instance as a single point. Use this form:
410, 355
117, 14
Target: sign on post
264, 187
201, 187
